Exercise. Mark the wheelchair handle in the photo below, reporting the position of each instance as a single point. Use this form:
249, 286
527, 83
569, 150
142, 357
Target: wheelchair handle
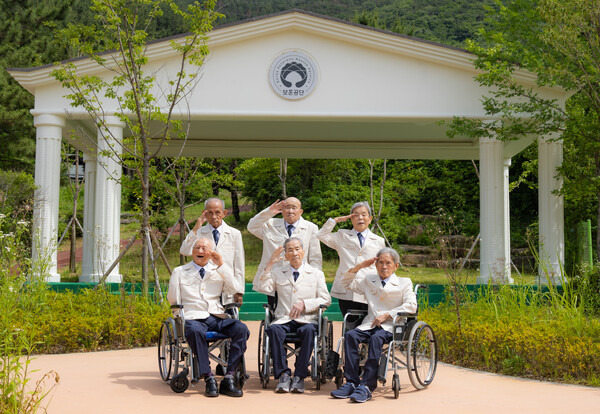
176, 306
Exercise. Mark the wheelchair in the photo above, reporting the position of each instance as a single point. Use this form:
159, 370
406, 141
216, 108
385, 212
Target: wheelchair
176, 361
413, 346
323, 344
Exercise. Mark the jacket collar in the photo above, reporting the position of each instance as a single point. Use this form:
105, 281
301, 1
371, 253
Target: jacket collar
287, 271
392, 280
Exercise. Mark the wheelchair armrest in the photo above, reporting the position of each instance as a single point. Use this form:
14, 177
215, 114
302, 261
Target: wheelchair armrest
232, 305
268, 306
400, 315
358, 312
177, 306
323, 306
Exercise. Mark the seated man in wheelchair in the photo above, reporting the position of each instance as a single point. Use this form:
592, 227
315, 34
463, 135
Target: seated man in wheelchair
300, 290
198, 286
386, 295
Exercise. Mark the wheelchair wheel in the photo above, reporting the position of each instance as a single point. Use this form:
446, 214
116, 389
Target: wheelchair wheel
318, 379
263, 356
180, 382
396, 385
167, 351
326, 347
339, 378
421, 355
240, 377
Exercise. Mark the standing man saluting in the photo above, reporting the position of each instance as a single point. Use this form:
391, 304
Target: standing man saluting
228, 242
353, 247
274, 231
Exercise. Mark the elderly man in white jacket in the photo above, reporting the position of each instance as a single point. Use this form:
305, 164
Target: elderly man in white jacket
227, 239
301, 290
198, 287
386, 295
353, 246
274, 231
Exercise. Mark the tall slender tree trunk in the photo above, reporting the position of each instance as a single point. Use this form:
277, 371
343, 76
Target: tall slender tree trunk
215, 185
598, 230
597, 162
181, 227
73, 253
145, 219
235, 205
283, 176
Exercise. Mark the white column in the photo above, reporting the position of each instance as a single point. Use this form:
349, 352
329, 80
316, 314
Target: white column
107, 214
88, 271
493, 257
47, 180
507, 164
551, 212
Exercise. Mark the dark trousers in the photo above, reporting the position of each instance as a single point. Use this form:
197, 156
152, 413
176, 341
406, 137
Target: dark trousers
195, 333
376, 338
306, 333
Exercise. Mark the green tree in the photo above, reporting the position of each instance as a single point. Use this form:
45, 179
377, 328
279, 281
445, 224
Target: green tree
559, 41
122, 27
25, 40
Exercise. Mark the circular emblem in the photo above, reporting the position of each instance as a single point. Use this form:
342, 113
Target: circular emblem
293, 75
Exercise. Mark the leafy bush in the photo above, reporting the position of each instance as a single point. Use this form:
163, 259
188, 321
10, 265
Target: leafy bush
16, 343
95, 320
523, 332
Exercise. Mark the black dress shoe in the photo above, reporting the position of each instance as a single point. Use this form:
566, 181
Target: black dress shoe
228, 387
211, 387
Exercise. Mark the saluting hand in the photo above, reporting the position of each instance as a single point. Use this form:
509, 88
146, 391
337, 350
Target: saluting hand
362, 265
216, 258
200, 221
342, 218
277, 207
275, 257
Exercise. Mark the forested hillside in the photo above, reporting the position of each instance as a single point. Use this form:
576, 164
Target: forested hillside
26, 39
446, 21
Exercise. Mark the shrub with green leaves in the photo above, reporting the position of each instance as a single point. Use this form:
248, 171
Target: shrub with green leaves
16, 343
522, 332
93, 320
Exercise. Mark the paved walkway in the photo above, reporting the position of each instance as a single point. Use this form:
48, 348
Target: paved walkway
129, 382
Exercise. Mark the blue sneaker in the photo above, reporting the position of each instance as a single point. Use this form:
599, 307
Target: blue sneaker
361, 394
345, 391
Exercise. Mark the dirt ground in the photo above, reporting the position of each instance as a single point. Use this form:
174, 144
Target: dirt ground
129, 382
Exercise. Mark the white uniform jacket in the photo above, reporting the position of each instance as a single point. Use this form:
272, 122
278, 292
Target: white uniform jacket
201, 297
396, 296
310, 287
273, 232
346, 243
230, 247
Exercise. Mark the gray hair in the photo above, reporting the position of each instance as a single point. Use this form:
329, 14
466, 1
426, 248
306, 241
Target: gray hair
211, 242
291, 239
391, 252
208, 200
361, 204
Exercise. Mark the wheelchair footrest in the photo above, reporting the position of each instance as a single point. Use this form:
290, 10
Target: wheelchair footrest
382, 367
